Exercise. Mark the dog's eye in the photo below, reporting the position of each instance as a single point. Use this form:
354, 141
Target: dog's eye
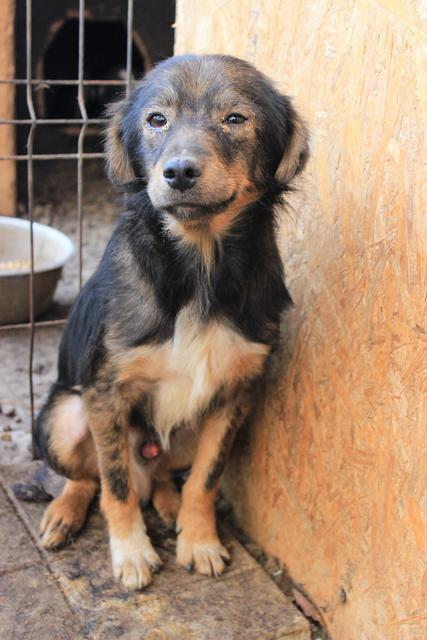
235, 118
157, 120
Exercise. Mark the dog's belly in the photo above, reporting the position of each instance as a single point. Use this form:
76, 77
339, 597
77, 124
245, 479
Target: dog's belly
183, 374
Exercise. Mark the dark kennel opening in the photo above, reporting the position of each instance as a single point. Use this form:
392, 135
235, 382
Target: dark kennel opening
104, 60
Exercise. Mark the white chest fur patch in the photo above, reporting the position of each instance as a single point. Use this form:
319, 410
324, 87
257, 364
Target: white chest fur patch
183, 374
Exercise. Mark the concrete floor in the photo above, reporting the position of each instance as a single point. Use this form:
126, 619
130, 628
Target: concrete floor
70, 593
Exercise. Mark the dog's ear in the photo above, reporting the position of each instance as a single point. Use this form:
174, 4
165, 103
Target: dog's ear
296, 151
119, 165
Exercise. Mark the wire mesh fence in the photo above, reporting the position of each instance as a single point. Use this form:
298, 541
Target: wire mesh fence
33, 121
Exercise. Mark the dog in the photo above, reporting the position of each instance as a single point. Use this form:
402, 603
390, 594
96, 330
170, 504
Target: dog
167, 341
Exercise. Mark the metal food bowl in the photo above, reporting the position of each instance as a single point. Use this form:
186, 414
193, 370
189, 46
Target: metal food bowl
52, 249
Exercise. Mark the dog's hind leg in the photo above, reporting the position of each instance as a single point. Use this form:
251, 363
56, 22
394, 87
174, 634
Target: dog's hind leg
64, 440
166, 498
66, 515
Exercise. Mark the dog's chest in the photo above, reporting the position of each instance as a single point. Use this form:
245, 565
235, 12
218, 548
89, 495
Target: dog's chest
183, 374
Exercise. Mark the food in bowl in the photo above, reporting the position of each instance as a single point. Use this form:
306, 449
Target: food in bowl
52, 249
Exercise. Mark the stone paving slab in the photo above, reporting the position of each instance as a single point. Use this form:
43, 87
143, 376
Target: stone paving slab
32, 607
17, 548
244, 604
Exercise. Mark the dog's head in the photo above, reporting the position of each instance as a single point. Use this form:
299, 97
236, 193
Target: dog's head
205, 135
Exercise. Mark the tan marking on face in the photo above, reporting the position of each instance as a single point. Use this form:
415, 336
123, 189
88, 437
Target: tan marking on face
221, 224
219, 179
183, 374
204, 234
217, 182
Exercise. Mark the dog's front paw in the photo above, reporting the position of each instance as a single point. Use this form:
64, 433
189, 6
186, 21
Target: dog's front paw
134, 560
208, 557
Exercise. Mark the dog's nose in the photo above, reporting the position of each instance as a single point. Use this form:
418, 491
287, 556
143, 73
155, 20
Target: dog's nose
181, 173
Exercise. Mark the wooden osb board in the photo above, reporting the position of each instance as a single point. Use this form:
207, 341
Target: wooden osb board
7, 109
333, 478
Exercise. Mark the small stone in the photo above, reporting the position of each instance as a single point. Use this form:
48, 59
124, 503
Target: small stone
7, 427
6, 436
29, 492
8, 411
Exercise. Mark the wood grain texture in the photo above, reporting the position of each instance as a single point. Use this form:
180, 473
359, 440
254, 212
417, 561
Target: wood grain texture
7, 109
333, 478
